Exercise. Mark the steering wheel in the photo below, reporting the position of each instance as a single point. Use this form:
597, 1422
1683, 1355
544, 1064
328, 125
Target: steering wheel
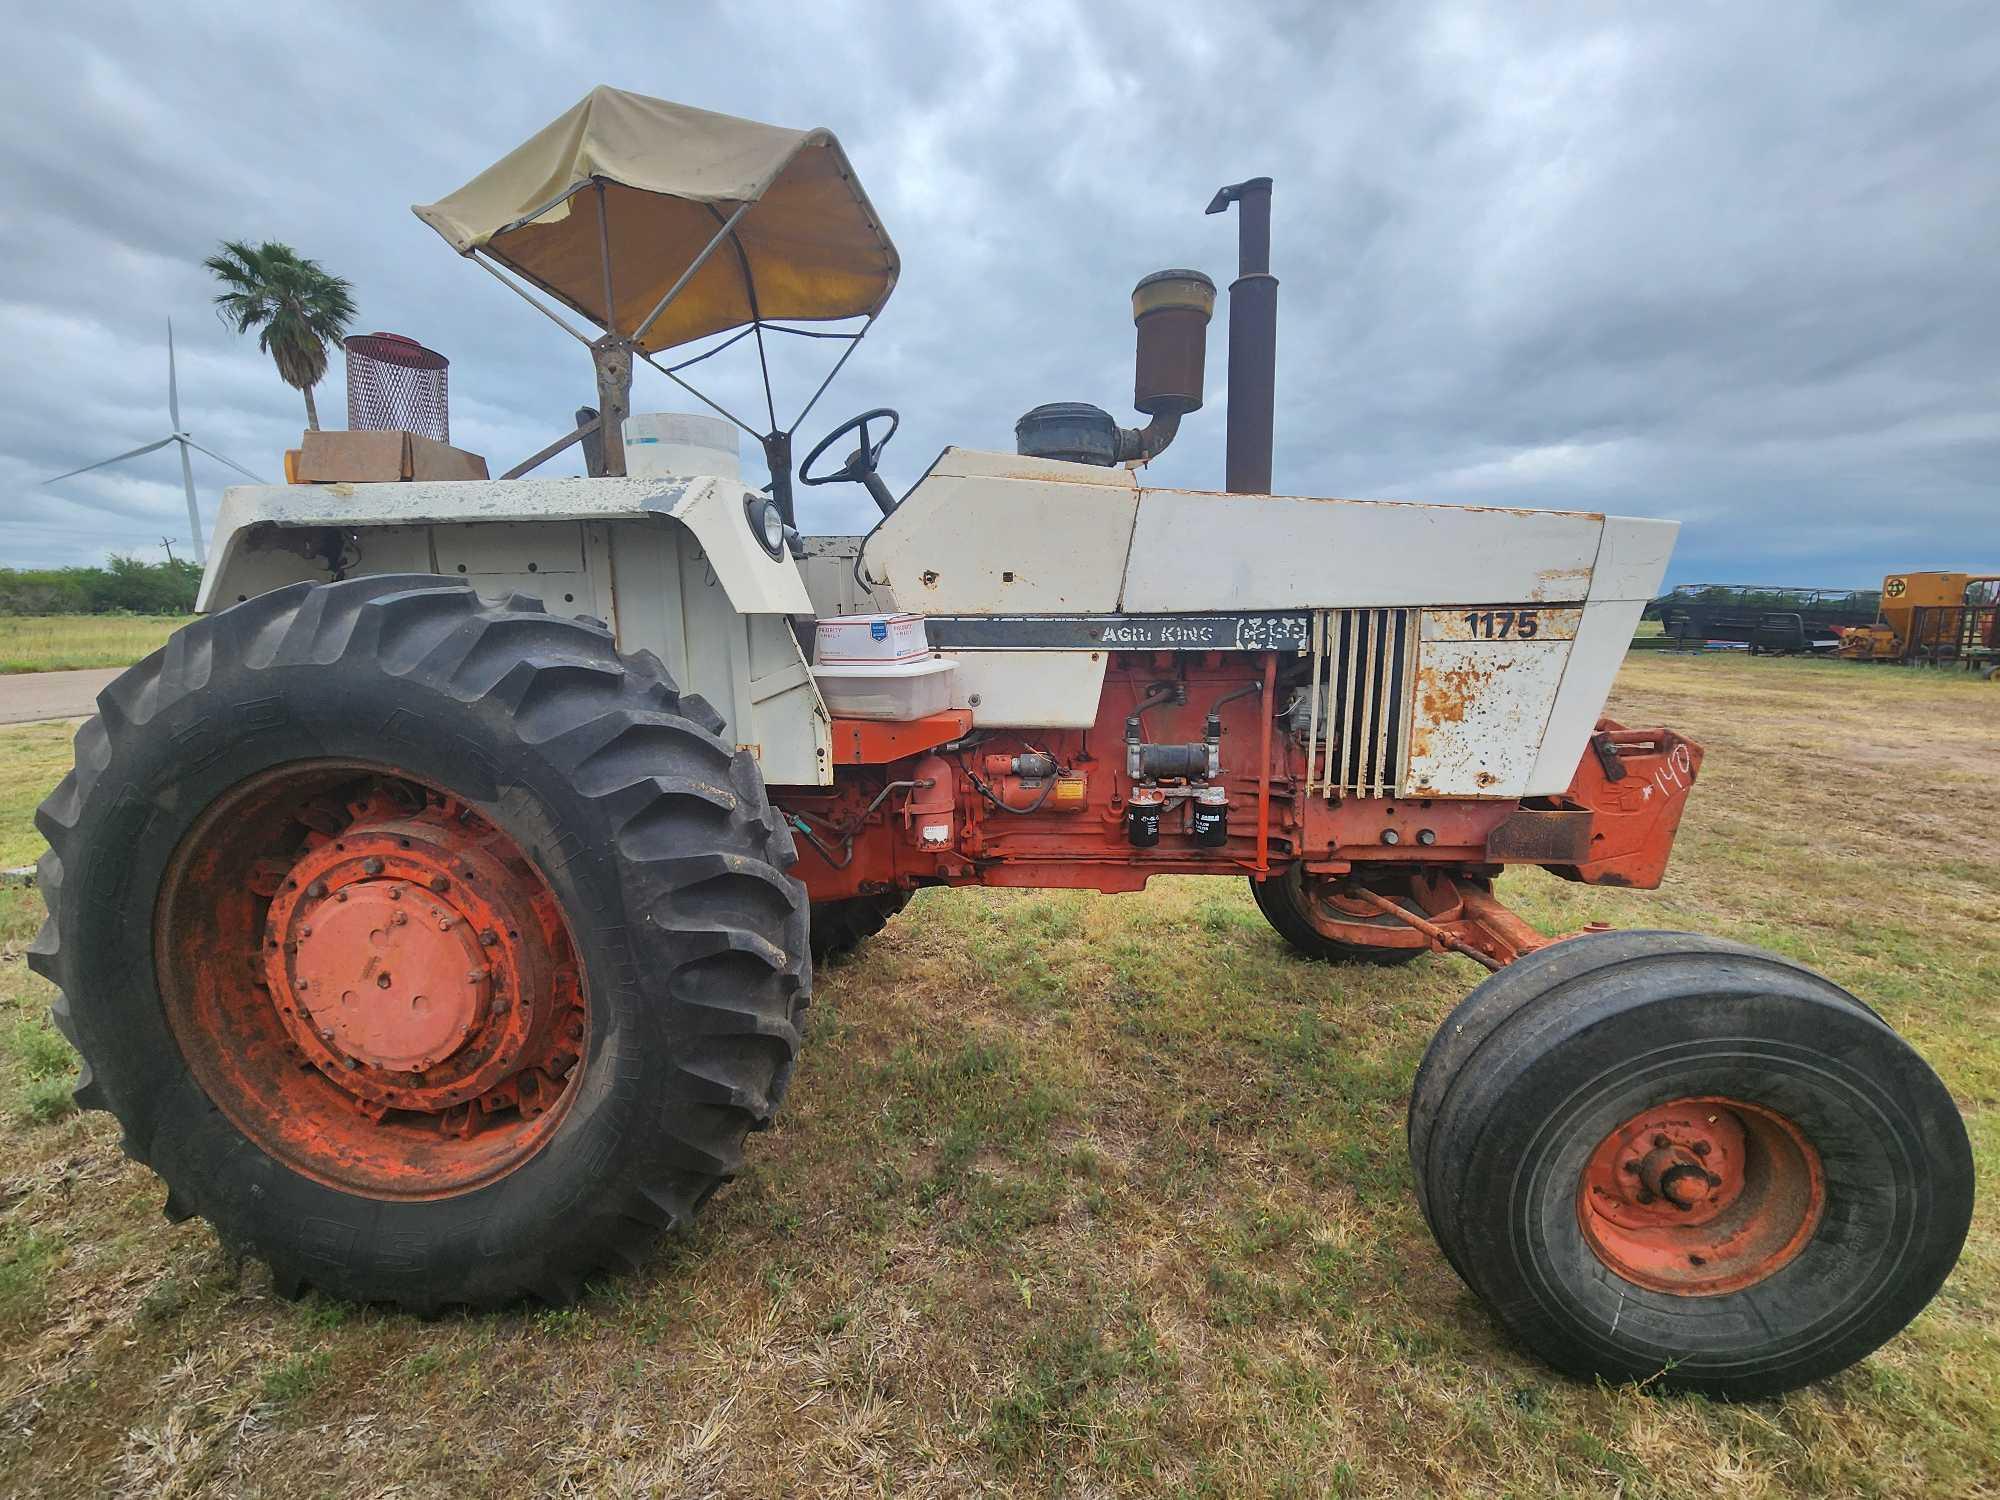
860, 465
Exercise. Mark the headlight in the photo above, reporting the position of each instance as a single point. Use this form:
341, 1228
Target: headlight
767, 523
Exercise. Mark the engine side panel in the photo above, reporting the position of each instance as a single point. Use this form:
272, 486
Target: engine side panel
1193, 551
987, 543
1485, 682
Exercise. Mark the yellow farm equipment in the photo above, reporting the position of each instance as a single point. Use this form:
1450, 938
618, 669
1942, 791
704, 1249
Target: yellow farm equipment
1933, 619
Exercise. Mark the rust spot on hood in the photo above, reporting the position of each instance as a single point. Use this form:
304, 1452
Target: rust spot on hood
1566, 584
1445, 694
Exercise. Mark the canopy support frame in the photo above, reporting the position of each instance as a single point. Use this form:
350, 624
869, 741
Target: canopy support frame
536, 460
612, 355
480, 258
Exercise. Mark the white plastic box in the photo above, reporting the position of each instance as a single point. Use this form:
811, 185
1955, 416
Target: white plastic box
895, 690
846, 639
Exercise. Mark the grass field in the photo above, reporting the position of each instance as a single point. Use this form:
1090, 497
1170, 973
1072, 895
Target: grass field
1073, 1195
60, 643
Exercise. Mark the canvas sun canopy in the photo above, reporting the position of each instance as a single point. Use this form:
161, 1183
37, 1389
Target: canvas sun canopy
810, 249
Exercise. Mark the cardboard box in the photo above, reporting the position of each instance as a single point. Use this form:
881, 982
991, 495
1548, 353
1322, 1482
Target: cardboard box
381, 457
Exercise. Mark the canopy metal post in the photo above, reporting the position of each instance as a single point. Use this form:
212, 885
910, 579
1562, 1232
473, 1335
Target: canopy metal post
478, 259
586, 427
686, 276
613, 359
604, 250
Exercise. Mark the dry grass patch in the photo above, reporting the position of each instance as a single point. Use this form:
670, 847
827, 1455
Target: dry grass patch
1076, 1195
59, 643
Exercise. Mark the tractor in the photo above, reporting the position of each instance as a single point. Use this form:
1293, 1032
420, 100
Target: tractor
438, 910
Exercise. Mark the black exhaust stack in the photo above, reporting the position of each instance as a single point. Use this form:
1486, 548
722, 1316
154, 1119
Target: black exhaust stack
1253, 339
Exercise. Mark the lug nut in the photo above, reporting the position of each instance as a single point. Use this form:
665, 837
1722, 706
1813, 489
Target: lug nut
316, 890
371, 866
395, 893
1632, 1166
1427, 836
399, 919
1645, 1195
340, 895
1390, 836
1713, 1180
488, 939
440, 883
1701, 1148
1661, 1142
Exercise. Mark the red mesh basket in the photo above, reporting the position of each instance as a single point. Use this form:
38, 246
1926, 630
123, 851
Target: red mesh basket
396, 384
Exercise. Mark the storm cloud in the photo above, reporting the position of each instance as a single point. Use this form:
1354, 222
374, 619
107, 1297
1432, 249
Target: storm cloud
1736, 265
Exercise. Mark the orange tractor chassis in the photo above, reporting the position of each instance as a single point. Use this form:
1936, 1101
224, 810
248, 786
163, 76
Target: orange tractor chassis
935, 803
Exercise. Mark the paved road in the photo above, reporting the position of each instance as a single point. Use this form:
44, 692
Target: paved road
28, 696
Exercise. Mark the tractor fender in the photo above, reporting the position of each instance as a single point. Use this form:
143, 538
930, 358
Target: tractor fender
267, 536
669, 563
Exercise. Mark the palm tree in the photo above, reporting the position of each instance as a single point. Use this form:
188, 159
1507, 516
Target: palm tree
297, 306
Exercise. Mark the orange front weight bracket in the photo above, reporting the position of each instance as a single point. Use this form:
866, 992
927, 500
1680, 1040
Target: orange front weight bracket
1635, 784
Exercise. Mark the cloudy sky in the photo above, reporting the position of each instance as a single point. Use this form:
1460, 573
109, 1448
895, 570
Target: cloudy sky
1734, 264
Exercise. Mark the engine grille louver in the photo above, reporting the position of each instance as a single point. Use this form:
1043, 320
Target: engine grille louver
1358, 704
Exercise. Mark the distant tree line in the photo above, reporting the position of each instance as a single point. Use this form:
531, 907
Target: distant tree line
124, 585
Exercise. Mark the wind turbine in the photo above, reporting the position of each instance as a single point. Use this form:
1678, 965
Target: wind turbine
176, 436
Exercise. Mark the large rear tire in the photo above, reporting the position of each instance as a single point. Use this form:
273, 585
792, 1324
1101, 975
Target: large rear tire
1684, 1161
428, 947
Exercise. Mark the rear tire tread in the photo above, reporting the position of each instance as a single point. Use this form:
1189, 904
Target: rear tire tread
624, 721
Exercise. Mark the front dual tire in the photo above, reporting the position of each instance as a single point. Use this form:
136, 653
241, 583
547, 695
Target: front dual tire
1682, 1161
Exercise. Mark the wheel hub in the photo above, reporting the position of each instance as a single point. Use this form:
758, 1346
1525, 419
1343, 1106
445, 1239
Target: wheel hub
1674, 1167
380, 988
405, 958
1701, 1196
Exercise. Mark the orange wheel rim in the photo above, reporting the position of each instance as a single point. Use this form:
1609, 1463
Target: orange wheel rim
1701, 1196
371, 980
1347, 918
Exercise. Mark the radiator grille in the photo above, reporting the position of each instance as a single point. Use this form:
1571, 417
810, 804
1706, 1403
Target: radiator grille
1358, 704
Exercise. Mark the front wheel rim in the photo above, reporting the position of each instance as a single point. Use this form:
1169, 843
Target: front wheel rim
1701, 1196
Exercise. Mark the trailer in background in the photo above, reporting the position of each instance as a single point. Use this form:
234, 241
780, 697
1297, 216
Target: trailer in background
1771, 620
